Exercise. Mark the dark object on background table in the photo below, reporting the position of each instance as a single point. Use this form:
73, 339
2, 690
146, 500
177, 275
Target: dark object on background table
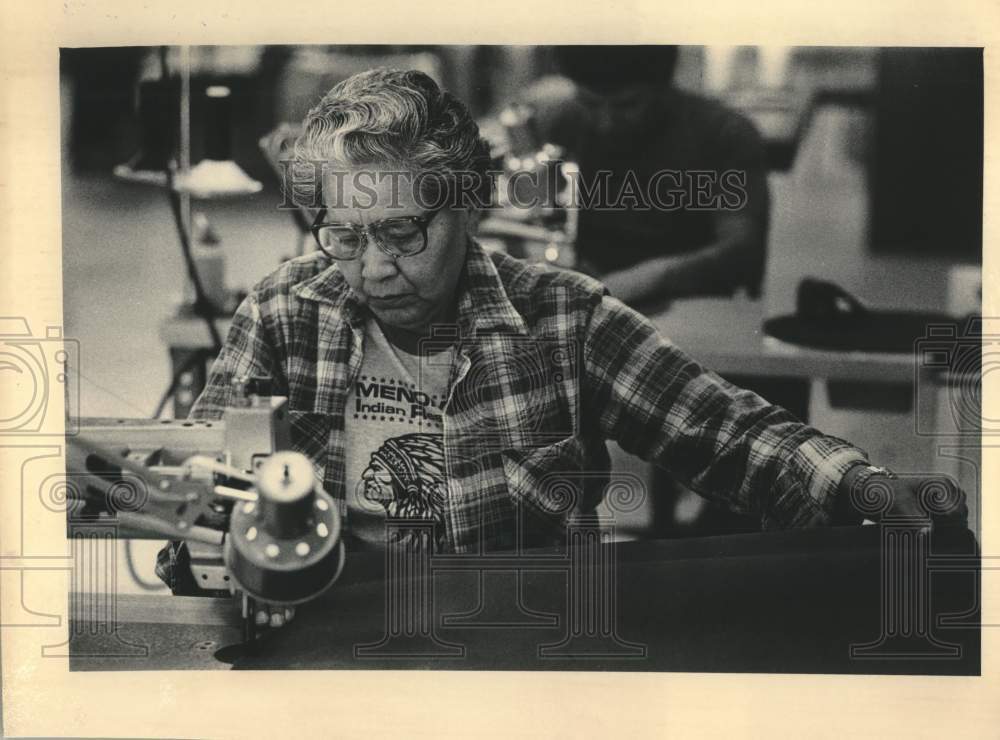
828, 317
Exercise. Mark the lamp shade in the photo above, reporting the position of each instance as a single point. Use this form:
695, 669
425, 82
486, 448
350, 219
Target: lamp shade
217, 176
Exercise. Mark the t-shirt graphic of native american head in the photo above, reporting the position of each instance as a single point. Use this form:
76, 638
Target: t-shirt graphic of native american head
406, 478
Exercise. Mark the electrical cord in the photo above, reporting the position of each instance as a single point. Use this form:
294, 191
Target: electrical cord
202, 305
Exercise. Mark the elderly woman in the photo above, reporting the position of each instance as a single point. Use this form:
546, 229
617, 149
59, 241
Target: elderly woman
415, 362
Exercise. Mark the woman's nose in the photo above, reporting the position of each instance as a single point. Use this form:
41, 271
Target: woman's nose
376, 265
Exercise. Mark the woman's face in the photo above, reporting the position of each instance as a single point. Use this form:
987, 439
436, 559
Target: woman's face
409, 293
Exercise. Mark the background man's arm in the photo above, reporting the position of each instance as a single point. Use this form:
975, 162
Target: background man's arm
737, 251
737, 254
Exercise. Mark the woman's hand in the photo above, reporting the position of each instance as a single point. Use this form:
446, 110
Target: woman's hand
873, 493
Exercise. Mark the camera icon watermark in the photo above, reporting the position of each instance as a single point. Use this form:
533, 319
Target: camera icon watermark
33, 370
951, 361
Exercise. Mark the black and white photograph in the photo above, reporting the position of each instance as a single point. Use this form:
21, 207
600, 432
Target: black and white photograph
530, 358
555, 360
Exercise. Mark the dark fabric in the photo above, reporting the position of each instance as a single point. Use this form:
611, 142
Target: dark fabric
783, 602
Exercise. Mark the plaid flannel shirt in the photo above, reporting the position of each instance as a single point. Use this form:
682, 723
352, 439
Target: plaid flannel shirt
548, 366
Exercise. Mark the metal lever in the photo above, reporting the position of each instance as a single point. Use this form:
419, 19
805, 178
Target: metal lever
139, 496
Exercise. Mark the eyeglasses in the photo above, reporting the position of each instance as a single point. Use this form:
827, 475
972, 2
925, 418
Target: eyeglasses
404, 236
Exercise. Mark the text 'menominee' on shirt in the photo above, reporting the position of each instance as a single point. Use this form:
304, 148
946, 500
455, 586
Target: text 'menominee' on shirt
394, 449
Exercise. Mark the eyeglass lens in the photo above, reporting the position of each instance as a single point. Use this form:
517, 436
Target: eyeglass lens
400, 236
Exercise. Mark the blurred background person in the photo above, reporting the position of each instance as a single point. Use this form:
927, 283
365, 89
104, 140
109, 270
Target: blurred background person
617, 113
660, 153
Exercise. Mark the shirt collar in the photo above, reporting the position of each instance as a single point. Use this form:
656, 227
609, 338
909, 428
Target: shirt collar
330, 288
482, 304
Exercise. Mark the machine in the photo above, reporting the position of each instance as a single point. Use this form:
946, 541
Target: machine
256, 520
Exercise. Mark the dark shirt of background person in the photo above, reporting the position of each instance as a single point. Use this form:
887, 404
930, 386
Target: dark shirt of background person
617, 111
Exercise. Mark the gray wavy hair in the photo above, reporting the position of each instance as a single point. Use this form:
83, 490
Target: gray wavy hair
399, 119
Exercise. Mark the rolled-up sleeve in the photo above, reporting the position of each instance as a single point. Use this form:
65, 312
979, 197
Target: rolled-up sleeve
726, 443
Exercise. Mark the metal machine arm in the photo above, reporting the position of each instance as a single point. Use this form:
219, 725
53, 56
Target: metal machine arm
254, 515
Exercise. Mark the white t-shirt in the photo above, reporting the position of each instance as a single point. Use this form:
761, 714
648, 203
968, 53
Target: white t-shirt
394, 446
